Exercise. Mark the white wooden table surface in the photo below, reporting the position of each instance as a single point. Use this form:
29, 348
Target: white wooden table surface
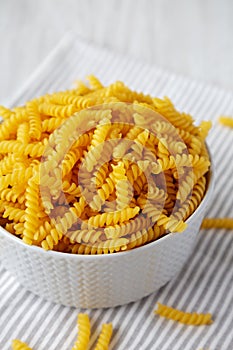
192, 37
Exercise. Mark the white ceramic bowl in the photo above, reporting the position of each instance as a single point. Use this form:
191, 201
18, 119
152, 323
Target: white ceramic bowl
98, 281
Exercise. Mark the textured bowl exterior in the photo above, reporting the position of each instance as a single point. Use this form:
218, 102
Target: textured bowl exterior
101, 281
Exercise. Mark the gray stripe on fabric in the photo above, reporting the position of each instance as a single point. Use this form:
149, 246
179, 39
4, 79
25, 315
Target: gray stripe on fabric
44, 83
226, 340
167, 292
15, 299
189, 305
47, 342
219, 295
145, 312
207, 105
224, 253
37, 90
11, 323
217, 307
217, 245
36, 320
48, 319
176, 298
125, 320
21, 329
222, 295
5, 282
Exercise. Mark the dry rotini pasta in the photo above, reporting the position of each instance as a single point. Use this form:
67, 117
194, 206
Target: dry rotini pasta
193, 319
19, 345
84, 332
227, 121
83, 337
104, 337
98, 170
226, 223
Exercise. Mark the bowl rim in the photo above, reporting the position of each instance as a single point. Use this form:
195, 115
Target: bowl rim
140, 249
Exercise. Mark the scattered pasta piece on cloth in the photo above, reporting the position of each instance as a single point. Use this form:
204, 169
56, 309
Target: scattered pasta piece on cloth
225, 223
227, 121
193, 319
83, 338
104, 337
84, 332
19, 345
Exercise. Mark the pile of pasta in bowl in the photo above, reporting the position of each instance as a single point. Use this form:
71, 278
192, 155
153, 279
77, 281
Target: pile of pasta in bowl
98, 170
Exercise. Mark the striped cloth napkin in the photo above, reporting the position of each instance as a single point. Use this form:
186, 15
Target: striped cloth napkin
206, 282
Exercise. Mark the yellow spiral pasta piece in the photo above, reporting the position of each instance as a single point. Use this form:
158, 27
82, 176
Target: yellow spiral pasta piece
85, 236
52, 237
23, 133
226, 223
51, 124
47, 229
102, 194
19, 345
104, 337
163, 149
10, 125
171, 224
112, 218
71, 188
134, 131
34, 120
84, 331
69, 97
186, 184
227, 121
182, 121
94, 82
31, 149
190, 205
100, 175
150, 209
124, 94
133, 172
145, 236
9, 227
135, 149
204, 127
70, 159
124, 192
193, 319
130, 227
64, 223
13, 195
18, 176
103, 247
121, 149
16, 214
32, 204
5, 113
97, 144
7, 164
56, 110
